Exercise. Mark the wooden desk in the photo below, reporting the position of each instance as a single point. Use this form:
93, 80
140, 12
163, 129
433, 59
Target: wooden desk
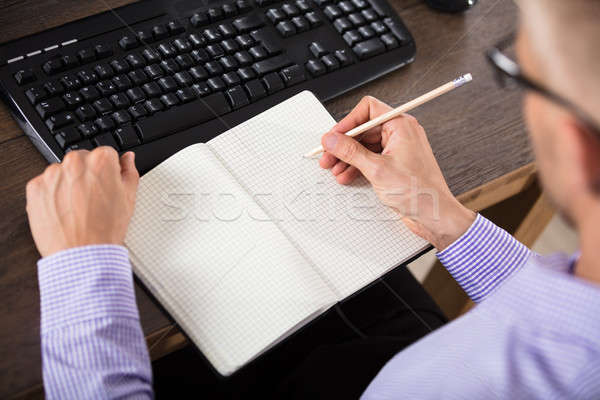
476, 132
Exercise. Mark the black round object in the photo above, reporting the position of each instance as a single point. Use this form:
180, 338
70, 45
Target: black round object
451, 6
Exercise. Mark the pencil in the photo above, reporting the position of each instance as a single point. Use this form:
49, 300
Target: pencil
458, 82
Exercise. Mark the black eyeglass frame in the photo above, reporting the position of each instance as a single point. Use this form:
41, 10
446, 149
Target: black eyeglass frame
508, 68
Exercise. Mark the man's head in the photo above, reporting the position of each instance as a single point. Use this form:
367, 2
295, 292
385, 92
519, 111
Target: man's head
558, 47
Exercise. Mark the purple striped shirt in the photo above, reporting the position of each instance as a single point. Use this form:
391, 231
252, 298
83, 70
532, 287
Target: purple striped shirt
534, 336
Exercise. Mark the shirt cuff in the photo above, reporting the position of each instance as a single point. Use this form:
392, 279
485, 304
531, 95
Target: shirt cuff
483, 257
84, 283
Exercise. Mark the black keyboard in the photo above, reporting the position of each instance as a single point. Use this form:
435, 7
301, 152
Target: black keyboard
157, 76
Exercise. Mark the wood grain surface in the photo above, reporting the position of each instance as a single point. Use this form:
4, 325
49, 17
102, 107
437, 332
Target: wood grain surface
476, 132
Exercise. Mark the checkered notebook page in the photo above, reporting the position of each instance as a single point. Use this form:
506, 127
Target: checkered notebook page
226, 274
349, 236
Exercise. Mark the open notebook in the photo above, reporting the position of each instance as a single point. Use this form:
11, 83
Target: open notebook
243, 240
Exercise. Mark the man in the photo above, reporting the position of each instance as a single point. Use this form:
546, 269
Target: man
535, 332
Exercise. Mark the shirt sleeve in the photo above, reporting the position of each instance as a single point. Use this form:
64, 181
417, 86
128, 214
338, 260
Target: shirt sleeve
483, 257
92, 342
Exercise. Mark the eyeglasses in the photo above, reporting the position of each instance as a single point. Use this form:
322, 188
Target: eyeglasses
508, 71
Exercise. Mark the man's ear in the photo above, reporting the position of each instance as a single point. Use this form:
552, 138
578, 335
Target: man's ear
583, 144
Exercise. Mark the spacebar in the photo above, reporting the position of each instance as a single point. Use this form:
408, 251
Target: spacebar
183, 117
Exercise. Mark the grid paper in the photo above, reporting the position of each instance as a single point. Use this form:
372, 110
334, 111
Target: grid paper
229, 278
345, 231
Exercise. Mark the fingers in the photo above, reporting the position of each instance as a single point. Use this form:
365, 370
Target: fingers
367, 109
348, 175
129, 172
349, 150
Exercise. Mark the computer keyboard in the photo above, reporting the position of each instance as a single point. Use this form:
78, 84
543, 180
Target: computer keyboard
156, 76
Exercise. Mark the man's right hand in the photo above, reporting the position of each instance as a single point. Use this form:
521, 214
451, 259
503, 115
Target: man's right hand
397, 160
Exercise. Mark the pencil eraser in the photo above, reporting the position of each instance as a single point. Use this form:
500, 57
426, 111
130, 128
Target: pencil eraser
468, 77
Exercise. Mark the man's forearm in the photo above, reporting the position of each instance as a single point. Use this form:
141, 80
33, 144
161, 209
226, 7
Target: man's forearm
483, 257
92, 341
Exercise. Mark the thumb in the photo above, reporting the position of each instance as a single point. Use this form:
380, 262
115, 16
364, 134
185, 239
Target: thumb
129, 172
349, 150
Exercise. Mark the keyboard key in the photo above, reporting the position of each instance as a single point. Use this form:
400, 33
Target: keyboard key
170, 66
230, 46
152, 89
266, 40
303, 5
228, 62
212, 35
36, 94
120, 100
315, 67
106, 139
182, 117
379, 27
197, 40
145, 36
54, 88
154, 71
273, 82
292, 75
366, 32
330, 62
128, 42
57, 121
390, 41
397, 30
201, 89
121, 117
342, 25
168, 84
72, 99
199, 19
243, 57
184, 78
89, 93
360, 4
275, 15
246, 74
138, 77
346, 6
104, 71
231, 79
352, 37
25, 76
160, 32
182, 45
290, 10
175, 27
86, 55
120, 66
237, 97
105, 123
300, 23
136, 95
53, 66
186, 94
248, 23
86, 112
332, 12
215, 13
227, 30
137, 111
83, 145
67, 136
106, 88
229, 9
286, 28
216, 84
103, 50
255, 90
152, 56
344, 57
370, 15
198, 73
213, 68
70, 61
49, 107
369, 48
245, 41
127, 137
243, 5
200, 55
313, 19
122, 82
135, 60
167, 50
357, 19
317, 49
154, 105
88, 129
87, 77
215, 50
258, 52
271, 64
70, 82
103, 106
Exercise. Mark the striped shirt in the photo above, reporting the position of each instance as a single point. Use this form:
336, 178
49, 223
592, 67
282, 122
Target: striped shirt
534, 333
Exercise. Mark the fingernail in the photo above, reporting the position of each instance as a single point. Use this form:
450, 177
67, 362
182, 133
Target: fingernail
330, 141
